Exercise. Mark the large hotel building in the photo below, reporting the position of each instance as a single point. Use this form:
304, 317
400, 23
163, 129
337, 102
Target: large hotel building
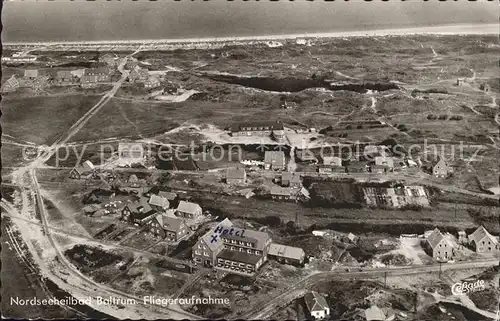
226, 247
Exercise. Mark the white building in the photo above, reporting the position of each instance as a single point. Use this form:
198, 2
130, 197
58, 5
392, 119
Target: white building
317, 305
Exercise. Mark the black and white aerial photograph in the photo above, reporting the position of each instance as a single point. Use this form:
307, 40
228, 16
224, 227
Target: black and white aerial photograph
250, 160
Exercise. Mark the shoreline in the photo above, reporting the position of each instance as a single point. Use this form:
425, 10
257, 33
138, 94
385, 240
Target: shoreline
456, 29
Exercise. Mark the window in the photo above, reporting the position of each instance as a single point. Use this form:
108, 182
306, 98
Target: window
232, 248
205, 253
257, 252
197, 252
241, 249
249, 251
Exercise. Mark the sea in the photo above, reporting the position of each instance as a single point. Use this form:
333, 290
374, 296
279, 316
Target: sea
65, 20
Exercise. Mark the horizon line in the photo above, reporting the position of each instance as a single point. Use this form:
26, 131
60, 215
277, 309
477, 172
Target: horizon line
448, 29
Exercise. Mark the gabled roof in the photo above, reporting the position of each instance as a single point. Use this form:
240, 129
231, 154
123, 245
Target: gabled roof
480, 233
435, 238
315, 301
158, 201
86, 167
168, 195
439, 161
286, 251
188, 207
235, 173
274, 157
169, 223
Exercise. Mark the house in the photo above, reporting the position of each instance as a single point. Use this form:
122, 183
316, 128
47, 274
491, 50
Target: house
168, 227
152, 82
274, 160
288, 104
138, 74
289, 179
11, 84
332, 161
374, 313
139, 212
235, 175
31, 74
283, 193
317, 305
188, 210
305, 156
127, 151
440, 168
286, 254
84, 171
232, 249
438, 246
65, 77
158, 203
100, 74
483, 242
273, 129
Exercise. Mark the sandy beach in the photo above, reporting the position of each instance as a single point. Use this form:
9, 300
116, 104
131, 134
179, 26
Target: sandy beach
456, 29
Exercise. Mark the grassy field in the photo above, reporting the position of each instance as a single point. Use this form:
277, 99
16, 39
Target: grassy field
42, 119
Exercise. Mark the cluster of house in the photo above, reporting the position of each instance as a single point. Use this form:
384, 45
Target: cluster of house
243, 251
396, 197
288, 188
88, 77
161, 217
141, 75
442, 248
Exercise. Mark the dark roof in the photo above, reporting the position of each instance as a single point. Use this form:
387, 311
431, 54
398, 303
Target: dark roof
273, 125
141, 209
237, 256
315, 301
480, 233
